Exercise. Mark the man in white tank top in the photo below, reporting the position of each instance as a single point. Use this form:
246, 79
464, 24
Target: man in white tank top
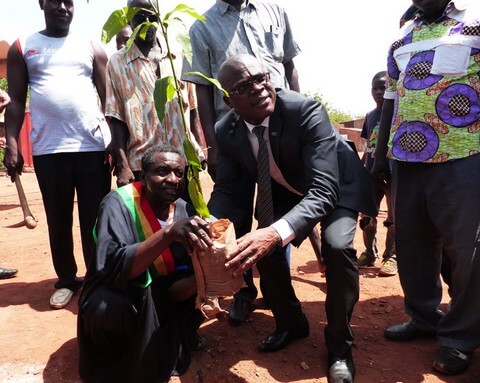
66, 76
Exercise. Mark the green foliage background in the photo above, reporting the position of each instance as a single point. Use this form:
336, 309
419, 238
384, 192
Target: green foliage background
3, 84
336, 115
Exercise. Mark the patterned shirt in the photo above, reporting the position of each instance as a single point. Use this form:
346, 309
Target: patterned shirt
260, 29
434, 78
130, 84
370, 129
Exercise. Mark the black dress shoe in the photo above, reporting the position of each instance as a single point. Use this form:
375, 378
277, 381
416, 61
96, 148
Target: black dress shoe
239, 311
450, 361
278, 340
341, 370
405, 332
7, 273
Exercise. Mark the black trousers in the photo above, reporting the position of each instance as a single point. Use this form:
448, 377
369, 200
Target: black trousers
338, 233
437, 212
278, 291
60, 176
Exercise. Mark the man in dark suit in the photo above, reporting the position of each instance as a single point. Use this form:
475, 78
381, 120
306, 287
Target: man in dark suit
314, 176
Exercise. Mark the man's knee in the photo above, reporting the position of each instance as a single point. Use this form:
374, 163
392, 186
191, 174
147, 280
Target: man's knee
107, 311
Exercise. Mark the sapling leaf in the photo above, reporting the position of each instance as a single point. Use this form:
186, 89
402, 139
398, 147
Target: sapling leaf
164, 91
183, 8
209, 79
116, 21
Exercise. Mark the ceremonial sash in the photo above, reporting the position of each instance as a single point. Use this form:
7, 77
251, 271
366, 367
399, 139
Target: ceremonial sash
147, 224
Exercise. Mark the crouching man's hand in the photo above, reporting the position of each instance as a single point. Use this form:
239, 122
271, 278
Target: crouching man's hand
193, 232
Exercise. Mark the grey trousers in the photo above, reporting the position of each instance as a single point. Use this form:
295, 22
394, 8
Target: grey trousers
437, 208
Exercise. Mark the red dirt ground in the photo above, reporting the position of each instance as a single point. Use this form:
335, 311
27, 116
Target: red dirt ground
38, 344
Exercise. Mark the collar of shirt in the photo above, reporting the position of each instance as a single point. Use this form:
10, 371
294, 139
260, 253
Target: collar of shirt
134, 53
224, 6
264, 123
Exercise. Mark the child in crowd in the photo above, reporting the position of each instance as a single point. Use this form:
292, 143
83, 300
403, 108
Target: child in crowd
369, 224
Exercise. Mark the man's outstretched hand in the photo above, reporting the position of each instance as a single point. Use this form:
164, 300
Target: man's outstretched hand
251, 248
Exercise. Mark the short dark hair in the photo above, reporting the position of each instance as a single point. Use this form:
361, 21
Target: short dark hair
147, 158
379, 75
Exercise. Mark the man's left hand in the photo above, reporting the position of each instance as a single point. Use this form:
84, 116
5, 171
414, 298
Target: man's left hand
251, 248
4, 100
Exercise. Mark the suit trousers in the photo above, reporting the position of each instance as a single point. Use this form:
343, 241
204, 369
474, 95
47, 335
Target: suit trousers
278, 291
338, 233
437, 211
59, 177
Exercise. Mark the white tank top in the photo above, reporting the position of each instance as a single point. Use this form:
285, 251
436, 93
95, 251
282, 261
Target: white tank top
64, 104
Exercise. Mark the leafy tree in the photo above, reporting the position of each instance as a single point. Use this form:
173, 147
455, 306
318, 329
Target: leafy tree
336, 115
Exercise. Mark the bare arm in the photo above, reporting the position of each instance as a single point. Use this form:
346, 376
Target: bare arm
120, 137
17, 75
206, 110
99, 72
196, 128
292, 76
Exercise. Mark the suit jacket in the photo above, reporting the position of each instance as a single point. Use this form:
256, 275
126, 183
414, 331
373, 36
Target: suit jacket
313, 158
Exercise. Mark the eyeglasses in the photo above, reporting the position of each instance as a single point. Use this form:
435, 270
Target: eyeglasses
245, 87
141, 17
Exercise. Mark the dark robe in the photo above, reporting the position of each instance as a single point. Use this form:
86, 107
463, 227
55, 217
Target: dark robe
128, 331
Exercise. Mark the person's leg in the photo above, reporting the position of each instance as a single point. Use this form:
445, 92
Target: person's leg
189, 320
389, 259
389, 224
242, 220
368, 225
369, 233
242, 303
278, 290
92, 175
456, 210
446, 271
338, 232
106, 328
418, 247
316, 242
55, 175
287, 254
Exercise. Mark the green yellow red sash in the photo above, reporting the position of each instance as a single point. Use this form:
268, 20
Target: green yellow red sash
146, 223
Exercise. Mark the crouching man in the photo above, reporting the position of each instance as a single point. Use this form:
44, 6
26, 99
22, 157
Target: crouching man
137, 320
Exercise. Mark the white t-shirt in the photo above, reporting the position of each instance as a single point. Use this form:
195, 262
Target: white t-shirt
64, 104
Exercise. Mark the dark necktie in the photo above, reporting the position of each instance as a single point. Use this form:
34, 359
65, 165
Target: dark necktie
264, 194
